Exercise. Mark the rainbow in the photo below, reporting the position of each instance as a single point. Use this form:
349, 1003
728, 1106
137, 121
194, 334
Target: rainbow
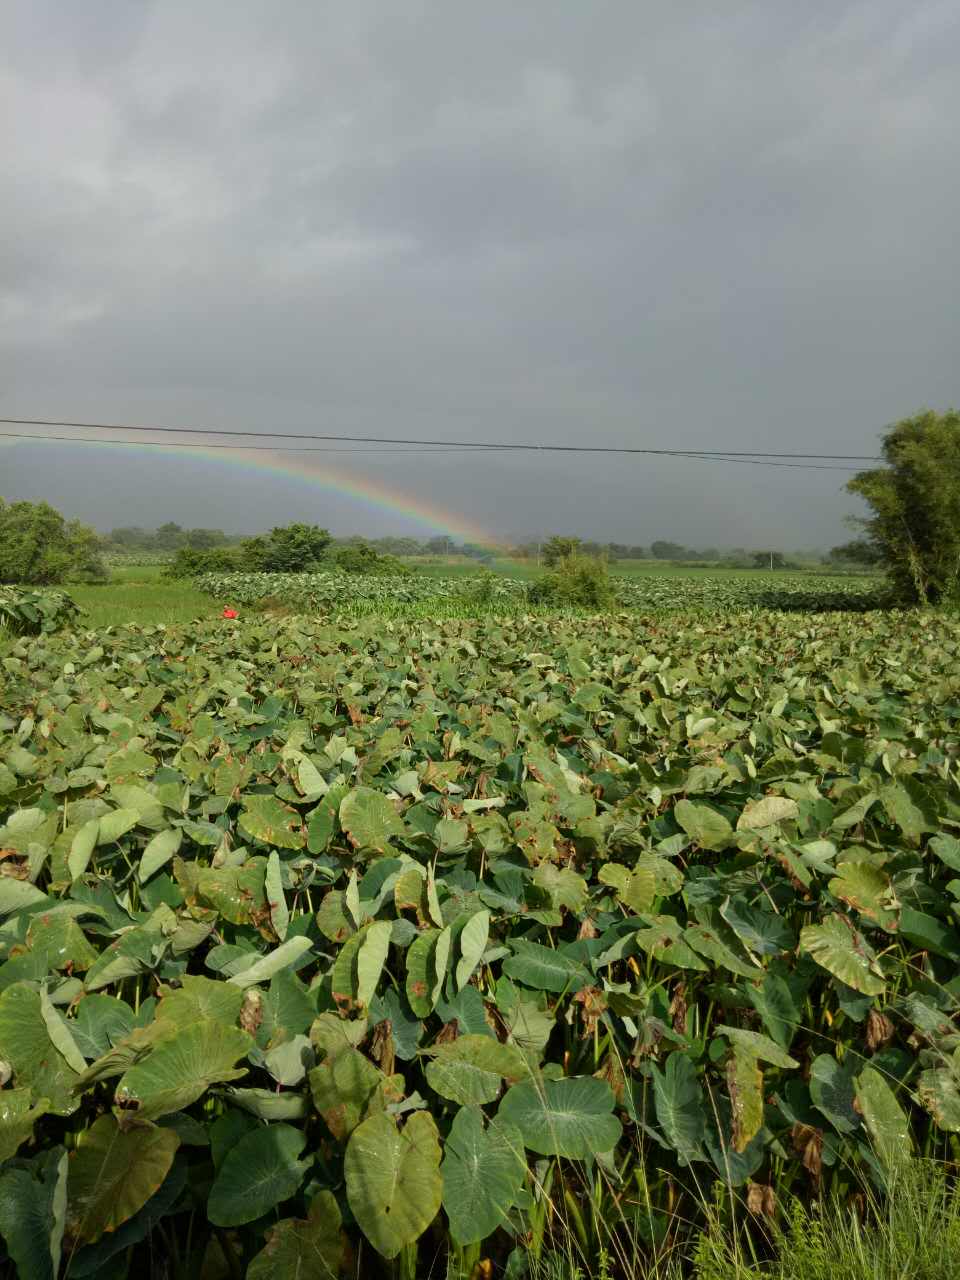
330, 479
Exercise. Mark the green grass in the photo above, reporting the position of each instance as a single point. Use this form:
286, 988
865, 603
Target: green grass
141, 594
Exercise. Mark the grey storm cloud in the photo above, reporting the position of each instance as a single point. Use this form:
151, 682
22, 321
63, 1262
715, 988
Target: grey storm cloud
694, 226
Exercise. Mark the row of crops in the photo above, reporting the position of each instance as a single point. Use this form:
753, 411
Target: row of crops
323, 946
346, 593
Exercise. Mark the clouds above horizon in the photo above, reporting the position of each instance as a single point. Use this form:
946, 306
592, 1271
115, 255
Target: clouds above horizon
702, 226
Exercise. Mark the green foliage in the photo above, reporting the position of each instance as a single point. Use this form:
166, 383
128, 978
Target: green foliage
914, 523
359, 556
576, 581
38, 547
556, 549
25, 612
292, 548
468, 933
189, 562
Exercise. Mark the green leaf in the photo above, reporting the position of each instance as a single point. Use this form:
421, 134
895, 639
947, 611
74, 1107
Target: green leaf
393, 1179
756, 1045
837, 947
708, 828
304, 1249
939, 1092
17, 1118
569, 1117
276, 901
767, 812
473, 943
115, 824
273, 962
100, 1022
745, 1086
82, 847
868, 890
678, 1102
158, 852
832, 1091
421, 982
17, 894
260, 1172
27, 1046
113, 1173
545, 969
60, 1035
181, 1069
886, 1123
483, 1171
636, 889
342, 1088
371, 958
370, 820
470, 1069
266, 819
32, 1215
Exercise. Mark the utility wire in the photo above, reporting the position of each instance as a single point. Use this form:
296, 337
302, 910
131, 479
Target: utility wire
447, 444
764, 460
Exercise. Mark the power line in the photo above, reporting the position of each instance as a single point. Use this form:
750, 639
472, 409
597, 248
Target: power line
763, 460
446, 444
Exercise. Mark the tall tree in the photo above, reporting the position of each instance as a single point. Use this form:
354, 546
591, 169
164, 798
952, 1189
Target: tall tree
915, 506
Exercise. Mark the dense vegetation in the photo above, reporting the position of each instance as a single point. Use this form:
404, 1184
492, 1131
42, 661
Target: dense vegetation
332, 592
327, 944
914, 525
38, 547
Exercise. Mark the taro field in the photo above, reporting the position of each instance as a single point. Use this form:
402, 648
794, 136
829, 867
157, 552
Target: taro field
404, 947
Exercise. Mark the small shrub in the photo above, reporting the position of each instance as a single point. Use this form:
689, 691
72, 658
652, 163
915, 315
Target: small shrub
28, 613
578, 581
190, 561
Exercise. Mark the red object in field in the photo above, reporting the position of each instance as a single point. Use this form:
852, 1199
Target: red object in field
230, 613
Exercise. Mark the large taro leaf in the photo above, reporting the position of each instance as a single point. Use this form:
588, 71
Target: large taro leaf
275, 961
867, 889
745, 1086
483, 1171
158, 852
832, 1091
92, 1259
470, 1069
17, 1118
569, 1117
421, 979
767, 812
939, 1092
33, 1206
757, 1045
473, 943
198, 999
678, 1102
182, 1067
113, 1173
393, 1179
343, 1088
308, 1248
545, 969
370, 820
371, 958
886, 1123
62, 940
266, 819
26, 1045
261, 1171
842, 951
705, 826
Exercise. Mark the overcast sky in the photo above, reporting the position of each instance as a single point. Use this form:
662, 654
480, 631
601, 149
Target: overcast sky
694, 225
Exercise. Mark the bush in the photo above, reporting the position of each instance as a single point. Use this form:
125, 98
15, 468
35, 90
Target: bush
38, 547
189, 562
294, 548
576, 580
361, 557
